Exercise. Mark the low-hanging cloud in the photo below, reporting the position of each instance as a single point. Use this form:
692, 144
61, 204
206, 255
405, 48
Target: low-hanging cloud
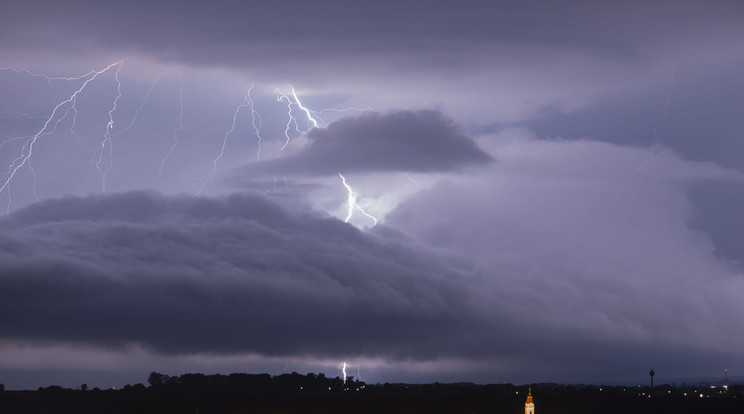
233, 275
569, 264
411, 141
590, 238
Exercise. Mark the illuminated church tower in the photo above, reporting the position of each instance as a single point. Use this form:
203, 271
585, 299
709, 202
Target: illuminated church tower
529, 407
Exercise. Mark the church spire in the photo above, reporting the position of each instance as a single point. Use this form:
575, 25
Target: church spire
529, 406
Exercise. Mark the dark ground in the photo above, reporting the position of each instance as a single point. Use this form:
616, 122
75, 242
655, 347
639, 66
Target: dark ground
295, 393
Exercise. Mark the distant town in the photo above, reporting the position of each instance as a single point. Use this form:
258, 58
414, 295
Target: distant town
242, 393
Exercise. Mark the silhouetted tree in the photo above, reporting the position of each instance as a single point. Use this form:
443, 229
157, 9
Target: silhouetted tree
84, 387
157, 379
2, 387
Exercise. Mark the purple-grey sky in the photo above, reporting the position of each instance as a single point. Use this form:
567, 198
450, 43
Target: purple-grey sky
487, 191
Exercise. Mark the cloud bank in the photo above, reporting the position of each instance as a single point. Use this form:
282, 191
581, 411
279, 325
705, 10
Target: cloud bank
563, 260
233, 275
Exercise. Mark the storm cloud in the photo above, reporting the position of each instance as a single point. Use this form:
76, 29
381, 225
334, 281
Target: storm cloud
408, 141
239, 274
582, 229
555, 189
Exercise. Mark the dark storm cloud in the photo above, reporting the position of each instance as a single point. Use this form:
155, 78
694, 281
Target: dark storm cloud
184, 275
240, 274
413, 141
268, 33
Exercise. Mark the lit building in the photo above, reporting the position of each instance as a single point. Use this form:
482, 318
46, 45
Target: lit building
529, 406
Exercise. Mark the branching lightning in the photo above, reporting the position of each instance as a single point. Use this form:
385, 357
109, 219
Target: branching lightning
281, 97
50, 125
106, 143
174, 135
256, 128
102, 152
351, 200
47, 77
18, 114
299, 104
316, 120
27, 137
314, 117
139, 108
247, 103
318, 114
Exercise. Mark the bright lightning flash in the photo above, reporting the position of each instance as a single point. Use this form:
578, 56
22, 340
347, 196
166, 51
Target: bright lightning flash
281, 97
343, 370
307, 111
352, 202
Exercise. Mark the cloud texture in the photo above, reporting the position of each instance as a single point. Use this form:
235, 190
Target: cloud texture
569, 211
234, 275
507, 271
409, 141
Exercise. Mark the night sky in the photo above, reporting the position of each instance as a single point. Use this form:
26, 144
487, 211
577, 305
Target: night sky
485, 191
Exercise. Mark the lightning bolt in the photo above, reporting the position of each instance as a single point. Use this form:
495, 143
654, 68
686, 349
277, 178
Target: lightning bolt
274, 186
314, 117
256, 128
34, 184
307, 111
175, 131
106, 143
299, 117
351, 200
343, 370
49, 126
73, 108
48, 78
139, 108
281, 97
14, 139
224, 140
318, 114
414, 181
18, 114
